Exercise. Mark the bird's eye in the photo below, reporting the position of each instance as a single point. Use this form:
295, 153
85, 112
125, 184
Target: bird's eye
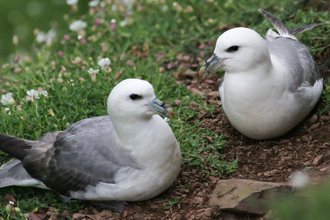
135, 96
232, 49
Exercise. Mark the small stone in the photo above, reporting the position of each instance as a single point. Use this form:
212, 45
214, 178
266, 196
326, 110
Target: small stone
267, 174
208, 212
196, 91
316, 125
317, 160
214, 94
325, 118
78, 216
313, 119
65, 213
178, 102
325, 169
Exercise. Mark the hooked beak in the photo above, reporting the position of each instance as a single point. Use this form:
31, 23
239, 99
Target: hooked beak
212, 64
159, 108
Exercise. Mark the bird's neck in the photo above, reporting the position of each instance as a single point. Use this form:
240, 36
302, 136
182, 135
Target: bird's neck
131, 130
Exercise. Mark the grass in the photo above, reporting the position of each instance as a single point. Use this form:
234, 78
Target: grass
72, 95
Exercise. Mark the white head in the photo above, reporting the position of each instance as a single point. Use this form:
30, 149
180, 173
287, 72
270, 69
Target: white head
135, 99
238, 50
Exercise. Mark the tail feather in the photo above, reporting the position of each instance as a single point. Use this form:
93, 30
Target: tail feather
13, 173
301, 29
13, 146
283, 30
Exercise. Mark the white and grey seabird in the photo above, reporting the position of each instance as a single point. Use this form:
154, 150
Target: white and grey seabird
270, 84
130, 155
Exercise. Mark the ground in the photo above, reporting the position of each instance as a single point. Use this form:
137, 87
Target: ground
306, 148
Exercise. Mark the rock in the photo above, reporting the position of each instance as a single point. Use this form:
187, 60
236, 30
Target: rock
65, 214
208, 212
267, 174
317, 160
325, 169
313, 119
78, 216
245, 195
213, 94
196, 91
325, 118
316, 125
178, 102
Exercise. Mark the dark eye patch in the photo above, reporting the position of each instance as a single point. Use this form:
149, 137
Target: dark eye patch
232, 49
135, 96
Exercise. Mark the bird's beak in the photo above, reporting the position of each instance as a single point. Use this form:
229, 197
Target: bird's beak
159, 108
212, 64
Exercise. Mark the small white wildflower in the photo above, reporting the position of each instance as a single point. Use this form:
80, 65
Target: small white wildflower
103, 62
94, 3
31, 94
77, 25
166, 119
299, 180
7, 99
7, 110
164, 8
71, 2
124, 23
42, 36
128, 3
103, 4
44, 93
92, 71
114, 8
51, 34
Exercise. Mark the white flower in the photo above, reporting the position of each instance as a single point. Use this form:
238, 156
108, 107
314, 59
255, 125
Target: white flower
164, 8
103, 4
77, 25
7, 99
35, 94
124, 22
51, 34
44, 93
94, 3
113, 7
299, 180
91, 71
128, 3
42, 36
7, 110
103, 62
71, 2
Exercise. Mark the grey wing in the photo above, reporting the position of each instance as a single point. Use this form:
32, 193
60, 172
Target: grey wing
302, 67
85, 154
